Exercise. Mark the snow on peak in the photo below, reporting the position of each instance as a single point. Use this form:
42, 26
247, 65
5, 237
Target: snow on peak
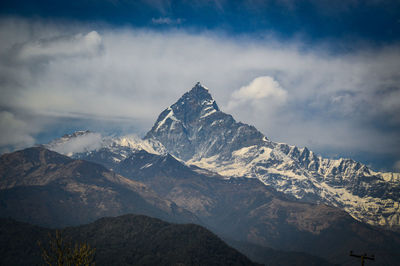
198, 93
200, 99
193, 105
135, 143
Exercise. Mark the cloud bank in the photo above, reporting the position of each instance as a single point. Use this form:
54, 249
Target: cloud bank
14, 132
344, 103
60, 46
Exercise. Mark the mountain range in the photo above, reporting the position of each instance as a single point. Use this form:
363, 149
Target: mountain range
46, 188
245, 210
195, 130
198, 165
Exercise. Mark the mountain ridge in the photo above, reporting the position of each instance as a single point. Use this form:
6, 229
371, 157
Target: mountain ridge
220, 144
195, 131
46, 188
47, 198
198, 162
245, 210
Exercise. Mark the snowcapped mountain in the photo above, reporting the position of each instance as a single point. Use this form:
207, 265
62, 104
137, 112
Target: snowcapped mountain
203, 161
195, 130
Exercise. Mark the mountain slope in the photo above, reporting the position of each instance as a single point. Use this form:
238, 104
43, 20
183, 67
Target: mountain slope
245, 210
196, 131
36, 187
46, 188
124, 240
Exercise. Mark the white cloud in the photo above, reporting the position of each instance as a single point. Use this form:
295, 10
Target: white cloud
82, 143
263, 98
303, 97
260, 88
75, 45
14, 131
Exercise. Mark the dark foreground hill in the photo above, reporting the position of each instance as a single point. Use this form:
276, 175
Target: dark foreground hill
123, 240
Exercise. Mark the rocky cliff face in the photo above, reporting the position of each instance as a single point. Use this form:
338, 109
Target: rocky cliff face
195, 130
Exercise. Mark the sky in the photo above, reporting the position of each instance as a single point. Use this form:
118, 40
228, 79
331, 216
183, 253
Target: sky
315, 73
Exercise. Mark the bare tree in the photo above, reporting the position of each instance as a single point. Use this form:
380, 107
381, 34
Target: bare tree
63, 253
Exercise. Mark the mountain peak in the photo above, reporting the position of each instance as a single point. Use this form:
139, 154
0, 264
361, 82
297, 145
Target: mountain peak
200, 128
199, 86
199, 95
196, 104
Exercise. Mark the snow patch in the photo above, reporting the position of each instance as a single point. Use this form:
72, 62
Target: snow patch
146, 166
209, 113
170, 115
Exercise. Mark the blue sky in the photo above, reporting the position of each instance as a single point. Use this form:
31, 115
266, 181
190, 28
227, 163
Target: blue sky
321, 74
372, 20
